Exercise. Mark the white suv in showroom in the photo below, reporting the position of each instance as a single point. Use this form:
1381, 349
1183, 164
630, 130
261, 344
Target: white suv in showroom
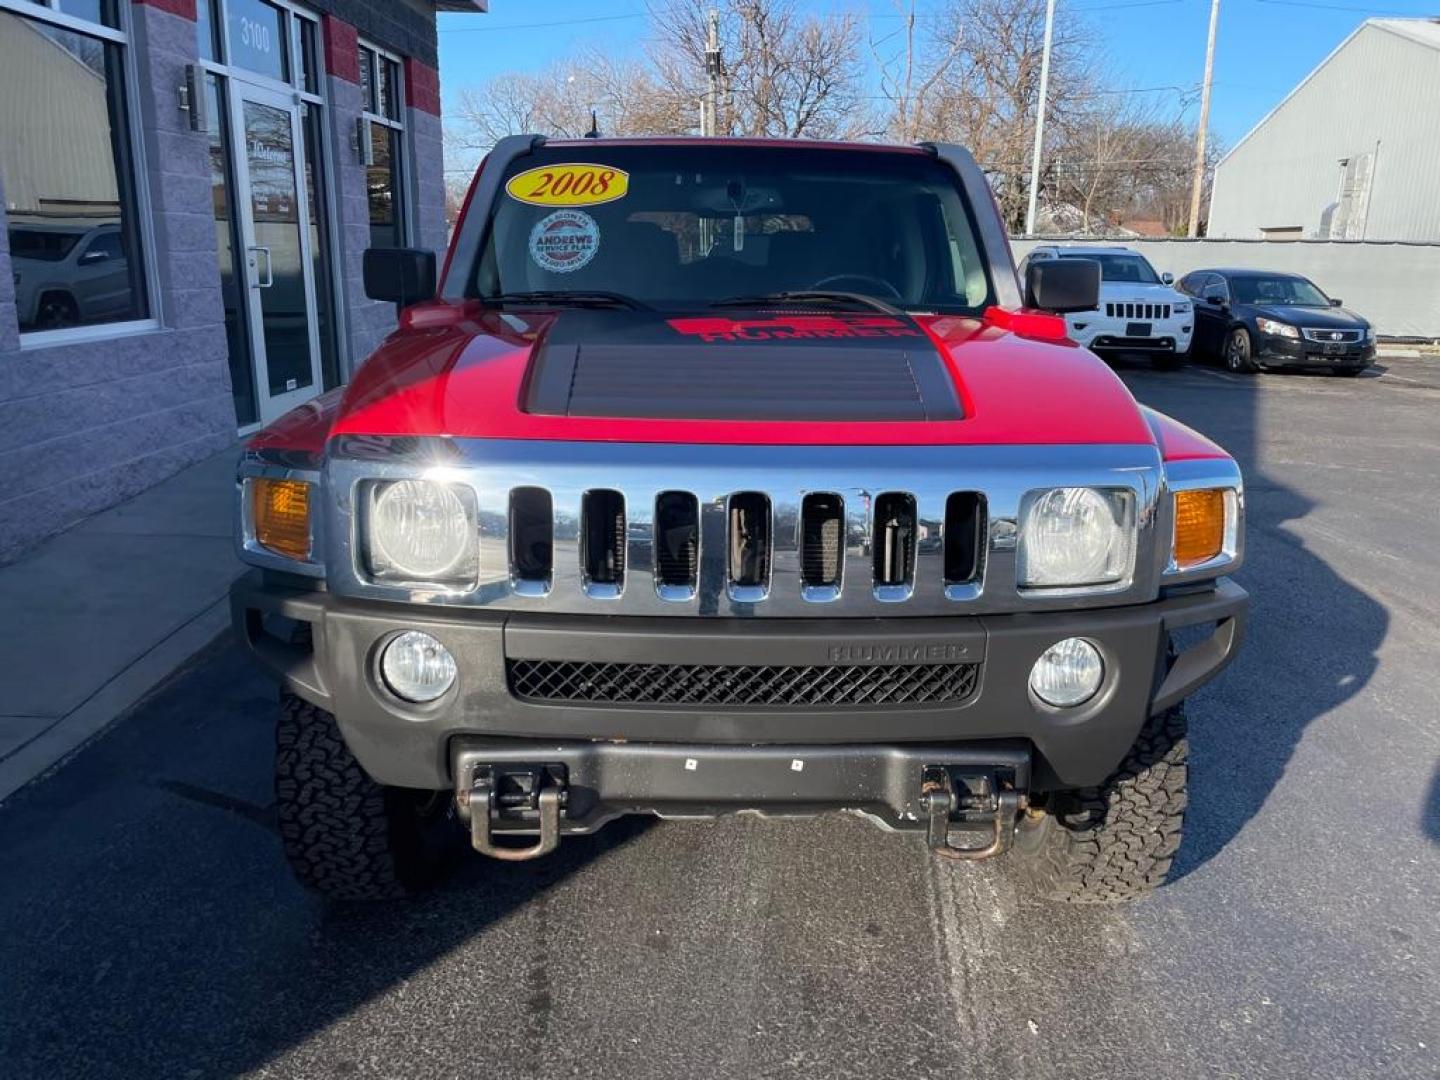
1139, 310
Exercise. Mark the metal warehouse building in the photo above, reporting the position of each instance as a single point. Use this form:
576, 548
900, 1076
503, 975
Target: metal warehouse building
186, 188
1352, 153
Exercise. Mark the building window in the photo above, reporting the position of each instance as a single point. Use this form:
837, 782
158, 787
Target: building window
67, 171
385, 173
258, 40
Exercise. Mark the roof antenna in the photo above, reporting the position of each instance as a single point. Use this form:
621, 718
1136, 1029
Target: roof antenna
594, 132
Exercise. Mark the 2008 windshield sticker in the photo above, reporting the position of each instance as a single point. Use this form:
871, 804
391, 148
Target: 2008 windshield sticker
564, 241
569, 185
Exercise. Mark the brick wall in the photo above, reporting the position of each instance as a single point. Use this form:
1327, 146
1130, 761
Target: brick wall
85, 425
426, 148
366, 322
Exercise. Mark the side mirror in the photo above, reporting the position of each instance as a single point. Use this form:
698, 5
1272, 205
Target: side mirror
1218, 301
1335, 301
402, 276
90, 258
1061, 286
1167, 278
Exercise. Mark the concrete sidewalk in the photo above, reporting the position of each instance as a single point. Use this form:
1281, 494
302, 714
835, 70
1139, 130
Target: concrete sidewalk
99, 615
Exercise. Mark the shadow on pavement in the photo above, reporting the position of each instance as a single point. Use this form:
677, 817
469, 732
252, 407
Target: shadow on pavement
1312, 641
149, 928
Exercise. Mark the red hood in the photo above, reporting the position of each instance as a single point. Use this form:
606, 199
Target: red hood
462, 372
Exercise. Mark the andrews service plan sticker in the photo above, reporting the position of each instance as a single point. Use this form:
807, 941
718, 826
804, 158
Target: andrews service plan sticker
564, 241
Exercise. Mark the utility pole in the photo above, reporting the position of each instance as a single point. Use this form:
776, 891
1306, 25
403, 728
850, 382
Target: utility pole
1040, 118
1199, 180
714, 69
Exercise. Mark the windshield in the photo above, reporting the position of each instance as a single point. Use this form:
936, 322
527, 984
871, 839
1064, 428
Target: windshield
1292, 291
687, 226
1131, 269
45, 245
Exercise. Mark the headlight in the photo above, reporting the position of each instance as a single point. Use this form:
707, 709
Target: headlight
422, 531
1277, 329
1370, 335
1180, 309
1076, 536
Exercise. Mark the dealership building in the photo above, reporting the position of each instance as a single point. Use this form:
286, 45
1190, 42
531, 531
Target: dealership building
186, 188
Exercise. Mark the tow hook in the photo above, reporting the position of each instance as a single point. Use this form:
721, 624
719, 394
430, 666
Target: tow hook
514, 794
967, 797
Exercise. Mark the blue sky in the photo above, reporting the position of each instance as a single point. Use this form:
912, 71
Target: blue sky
1264, 47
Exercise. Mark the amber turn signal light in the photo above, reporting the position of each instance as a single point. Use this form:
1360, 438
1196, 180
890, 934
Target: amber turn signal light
280, 512
1199, 526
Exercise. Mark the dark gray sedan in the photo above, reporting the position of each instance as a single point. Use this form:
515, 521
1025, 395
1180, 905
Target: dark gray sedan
1253, 320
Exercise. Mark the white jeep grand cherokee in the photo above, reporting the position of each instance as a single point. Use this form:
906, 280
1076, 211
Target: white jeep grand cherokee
1139, 309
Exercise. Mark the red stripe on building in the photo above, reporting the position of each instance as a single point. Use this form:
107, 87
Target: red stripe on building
342, 48
422, 86
184, 8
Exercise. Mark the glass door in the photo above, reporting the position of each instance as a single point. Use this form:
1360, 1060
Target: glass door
274, 215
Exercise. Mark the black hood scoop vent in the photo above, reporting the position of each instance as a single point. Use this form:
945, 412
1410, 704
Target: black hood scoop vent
810, 366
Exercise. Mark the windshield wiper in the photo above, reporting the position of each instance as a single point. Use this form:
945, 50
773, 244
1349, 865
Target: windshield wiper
569, 297
813, 296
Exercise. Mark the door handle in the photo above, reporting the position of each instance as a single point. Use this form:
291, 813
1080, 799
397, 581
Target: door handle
269, 278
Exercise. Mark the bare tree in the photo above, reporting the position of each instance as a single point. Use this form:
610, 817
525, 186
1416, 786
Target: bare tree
911, 66
622, 94
968, 72
787, 74
987, 98
1105, 150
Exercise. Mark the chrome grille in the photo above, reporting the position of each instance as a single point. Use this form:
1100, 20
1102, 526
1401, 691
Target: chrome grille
740, 685
1332, 337
1137, 311
740, 531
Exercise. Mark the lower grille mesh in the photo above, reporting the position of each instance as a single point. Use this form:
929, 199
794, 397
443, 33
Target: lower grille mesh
760, 686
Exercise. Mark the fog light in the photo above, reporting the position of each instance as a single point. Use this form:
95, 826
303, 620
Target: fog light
416, 667
1068, 673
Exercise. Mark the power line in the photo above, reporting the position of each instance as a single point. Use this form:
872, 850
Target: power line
1336, 7
1130, 4
542, 25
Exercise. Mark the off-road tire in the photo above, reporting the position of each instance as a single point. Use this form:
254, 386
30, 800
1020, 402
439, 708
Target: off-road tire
1114, 843
346, 836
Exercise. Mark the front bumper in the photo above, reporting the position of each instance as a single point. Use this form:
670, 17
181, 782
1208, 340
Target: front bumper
326, 650
1281, 352
1172, 336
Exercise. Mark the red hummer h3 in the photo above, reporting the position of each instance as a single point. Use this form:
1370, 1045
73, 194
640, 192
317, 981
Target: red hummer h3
720, 475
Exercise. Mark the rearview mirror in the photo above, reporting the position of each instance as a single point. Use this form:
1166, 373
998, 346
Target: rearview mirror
1063, 285
402, 276
1335, 301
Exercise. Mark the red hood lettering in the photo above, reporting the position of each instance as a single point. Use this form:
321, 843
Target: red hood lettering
711, 329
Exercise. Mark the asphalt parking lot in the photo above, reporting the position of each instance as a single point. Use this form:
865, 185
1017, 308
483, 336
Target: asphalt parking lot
149, 929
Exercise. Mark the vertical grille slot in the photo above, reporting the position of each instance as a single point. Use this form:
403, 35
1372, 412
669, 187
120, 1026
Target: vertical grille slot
677, 542
894, 540
964, 533
532, 536
602, 537
822, 530
750, 546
